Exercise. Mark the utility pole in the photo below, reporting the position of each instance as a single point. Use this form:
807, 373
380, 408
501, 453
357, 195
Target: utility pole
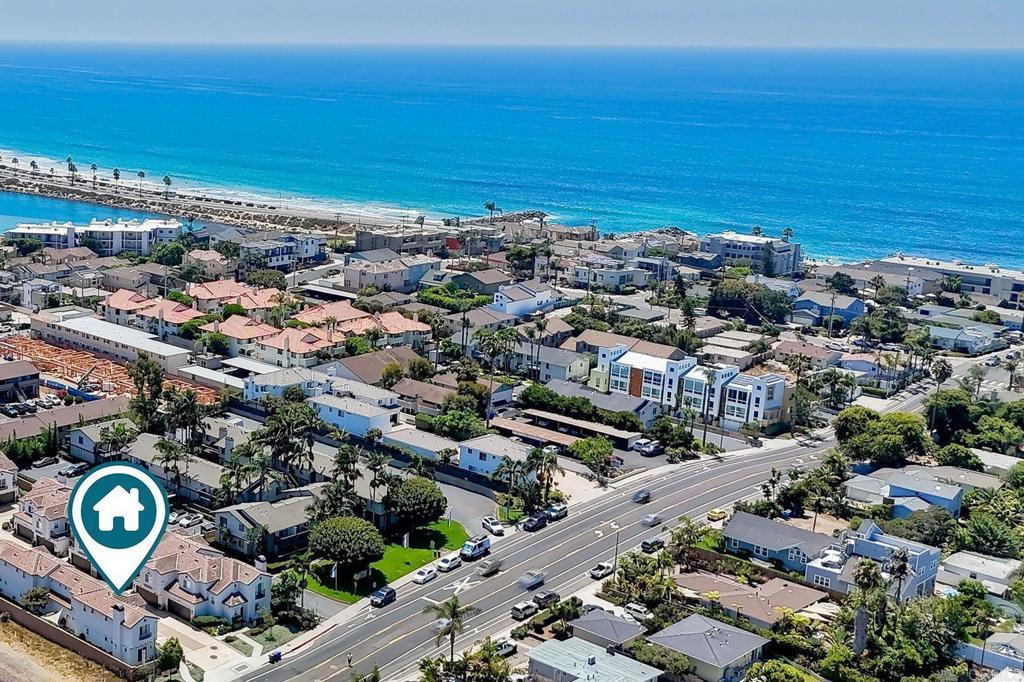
831, 313
615, 561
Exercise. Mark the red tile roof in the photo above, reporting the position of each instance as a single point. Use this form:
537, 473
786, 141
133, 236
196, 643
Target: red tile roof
341, 311
241, 327
303, 341
173, 312
126, 299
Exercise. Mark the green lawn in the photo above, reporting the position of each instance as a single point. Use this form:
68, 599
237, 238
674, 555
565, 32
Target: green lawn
244, 647
397, 561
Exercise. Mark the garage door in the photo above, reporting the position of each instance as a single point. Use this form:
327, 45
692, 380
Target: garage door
179, 610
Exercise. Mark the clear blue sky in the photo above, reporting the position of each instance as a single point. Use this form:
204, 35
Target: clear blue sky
981, 24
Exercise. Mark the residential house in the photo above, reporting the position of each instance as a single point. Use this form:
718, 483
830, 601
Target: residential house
717, 651
865, 275
484, 454
165, 317
575, 659
780, 256
753, 399
834, 567
817, 357
372, 256
605, 629
420, 397
965, 478
42, 516
284, 523
196, 481
646, 410
395, 329
606, 273
8, 480
354, 416
19, 380
243, 334
369, 367
273, 384
189, 579
478, 281
479, 318
763, 605
293, 347
77, 253
404, 239
904, 492
713, 354
403, 274
973, 340
783, 544
119, 625
547, 363
422, 443
995, 573
213, 296
813, 307
339, 312
783, 286
211, 264
551, 331
524, 298
86, 442
703, 388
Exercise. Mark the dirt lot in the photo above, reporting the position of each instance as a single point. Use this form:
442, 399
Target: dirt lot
27, 657
826, 525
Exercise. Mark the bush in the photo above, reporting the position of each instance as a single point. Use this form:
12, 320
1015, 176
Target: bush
518, 632
213, 625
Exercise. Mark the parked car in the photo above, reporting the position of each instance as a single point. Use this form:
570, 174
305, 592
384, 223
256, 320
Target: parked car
74, 470
505, 647
651, 520
475, 547
383, 596
651, 545
532, 579
545, 598
652, 448
535, 522
638, 612
588, 608
640, 443
29, 407
424, 575
174, 517
602, 570
557, 511
42, 404
524, 610
189, 520
45, 462
449, 563
492, 525
992, 361
488, 567
717, 514
642, 496
10, 411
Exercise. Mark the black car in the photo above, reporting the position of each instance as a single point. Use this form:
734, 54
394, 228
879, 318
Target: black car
545, 598
651, 545
535, 522
9, 411
383, 596
642, 496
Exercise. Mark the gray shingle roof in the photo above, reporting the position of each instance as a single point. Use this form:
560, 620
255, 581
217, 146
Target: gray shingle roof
774, 535
708, 640
607, 626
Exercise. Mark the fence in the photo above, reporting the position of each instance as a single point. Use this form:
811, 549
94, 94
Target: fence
987, 657
62, 637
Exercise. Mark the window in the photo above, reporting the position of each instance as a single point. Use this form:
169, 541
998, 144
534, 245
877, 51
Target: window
760, 551
822, 581
734, 543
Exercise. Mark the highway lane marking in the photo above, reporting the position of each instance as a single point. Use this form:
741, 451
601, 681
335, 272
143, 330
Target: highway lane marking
462, 584
587, 546
739, 463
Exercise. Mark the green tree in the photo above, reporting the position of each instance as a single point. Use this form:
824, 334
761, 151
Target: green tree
267, 279
169, 655
956, 455
216, 343
419, 369
349, 543
391, 374
853, 421
148, 378
453, 616
416, 501
170, 254
773, 671
948, 411
544, 463
595, 453
36, 600
233, 309
987, 534
459, 425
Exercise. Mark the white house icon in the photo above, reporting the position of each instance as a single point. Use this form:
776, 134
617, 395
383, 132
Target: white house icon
122, 503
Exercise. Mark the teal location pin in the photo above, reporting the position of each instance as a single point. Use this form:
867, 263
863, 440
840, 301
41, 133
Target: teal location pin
118, 513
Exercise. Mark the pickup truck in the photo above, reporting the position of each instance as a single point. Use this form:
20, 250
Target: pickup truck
532, 579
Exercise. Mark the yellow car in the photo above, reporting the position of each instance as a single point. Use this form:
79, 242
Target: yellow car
717, 515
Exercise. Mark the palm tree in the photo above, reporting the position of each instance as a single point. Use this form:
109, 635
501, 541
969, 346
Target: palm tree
300, 565
93, 168
254, 539
257, 465
167, 187
377, 464
490, 207
171, 456
1011, 367
33, 165
117, 176
421, 466
710, 376
141, 175
787, 234
544, 463
115, 439
941, 371
510, 471
898, 568
71, 169
455, 616
799, 363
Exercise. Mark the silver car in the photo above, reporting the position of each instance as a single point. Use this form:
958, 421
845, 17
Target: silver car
651, 520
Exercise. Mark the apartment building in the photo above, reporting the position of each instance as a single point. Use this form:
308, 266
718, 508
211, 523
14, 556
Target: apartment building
703, 389
786, 257
293, 347
119, 626
165, 317
19, 380
1002, 283
211, 264
212, 296
354, 416
123, 305
750, 399
644, 370
284, 523
404, 240
484, 454
607, 273
104, 237
402, 274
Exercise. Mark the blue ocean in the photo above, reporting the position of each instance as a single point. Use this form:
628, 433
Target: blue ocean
861, 153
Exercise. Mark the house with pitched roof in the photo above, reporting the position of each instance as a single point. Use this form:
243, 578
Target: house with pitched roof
123, 305
812, 307
243, 334
524, 298
576, 659
293, 347
769, 540
354, 416
395, 329
42, 516
284, 522
339, 312
369, 367
211, 264
165, 317
119, 625
763, 605
188, 578
212, 296
605, 629
718, 652
8, 479
419, 396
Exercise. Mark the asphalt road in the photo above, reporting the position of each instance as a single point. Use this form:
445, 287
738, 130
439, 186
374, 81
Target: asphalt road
396, 637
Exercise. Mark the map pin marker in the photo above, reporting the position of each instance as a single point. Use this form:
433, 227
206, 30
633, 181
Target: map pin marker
118, 513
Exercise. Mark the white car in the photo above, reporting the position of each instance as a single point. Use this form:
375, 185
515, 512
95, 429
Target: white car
651, 520
638, 612
449, 563
640, 444
189, 520
505, 647
424, 575
492, 525
602, 570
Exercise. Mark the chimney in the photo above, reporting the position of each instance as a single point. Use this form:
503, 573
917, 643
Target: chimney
261, 563
117, 614
222, 432
229, 446
216, 326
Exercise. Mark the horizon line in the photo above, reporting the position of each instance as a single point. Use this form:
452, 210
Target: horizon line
320, 45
